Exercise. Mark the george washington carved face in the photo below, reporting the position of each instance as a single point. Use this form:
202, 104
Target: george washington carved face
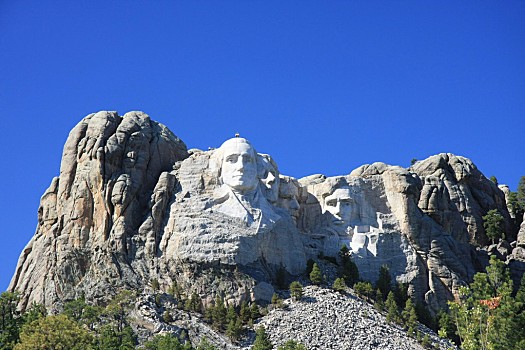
239, 165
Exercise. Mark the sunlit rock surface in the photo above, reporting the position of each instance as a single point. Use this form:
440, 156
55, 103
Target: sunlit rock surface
131, 204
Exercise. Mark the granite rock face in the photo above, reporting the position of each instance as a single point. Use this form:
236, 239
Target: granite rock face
88, 218
456, 195
405, 219
131, 204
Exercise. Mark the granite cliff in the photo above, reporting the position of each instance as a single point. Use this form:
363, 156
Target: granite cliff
133, 204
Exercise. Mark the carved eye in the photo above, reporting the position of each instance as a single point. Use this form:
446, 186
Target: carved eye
346, 202
331, 203
232, 158
247, 158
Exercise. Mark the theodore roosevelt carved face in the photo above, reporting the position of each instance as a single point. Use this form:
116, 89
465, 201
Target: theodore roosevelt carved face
239, 165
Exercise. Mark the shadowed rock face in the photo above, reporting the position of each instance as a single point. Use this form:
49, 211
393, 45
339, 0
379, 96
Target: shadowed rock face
132, 204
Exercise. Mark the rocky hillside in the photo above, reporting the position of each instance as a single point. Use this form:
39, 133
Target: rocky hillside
322, 319
328, 320
132, 205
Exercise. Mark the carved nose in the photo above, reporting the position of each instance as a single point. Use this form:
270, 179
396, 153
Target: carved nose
239, 166
294, 204
270, 180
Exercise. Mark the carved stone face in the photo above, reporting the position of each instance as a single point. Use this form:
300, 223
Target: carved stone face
239, 166
342, 208
288, 194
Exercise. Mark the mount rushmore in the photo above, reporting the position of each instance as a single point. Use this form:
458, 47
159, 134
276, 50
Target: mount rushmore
132, 204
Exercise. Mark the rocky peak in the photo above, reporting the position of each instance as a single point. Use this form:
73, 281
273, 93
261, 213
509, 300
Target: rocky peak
131, 204
456, 195
90, 213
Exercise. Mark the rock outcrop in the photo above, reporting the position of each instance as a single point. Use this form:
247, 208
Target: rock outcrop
456, 195
86, 240
131, 205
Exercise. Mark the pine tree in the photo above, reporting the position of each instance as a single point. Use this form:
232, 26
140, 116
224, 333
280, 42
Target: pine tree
166, 316
54, 332
400, 294
35, 312
164, 342
364, 289
486, 314
425, 342
493, 223
521, 193
195, 302
350, 273
316, 276
219, 313
10, 319
262, 342
75, 308
118, 307
205, 345
234, 329
254, 310
348, 270
296, 290
344, 253
174, 290
231, 315
410, 317
128, 339
384, 282
392, 315
447, 327
155, 285
245, 312
276, 301
108, 338
187, 304
339, 285
514, 207
379, 303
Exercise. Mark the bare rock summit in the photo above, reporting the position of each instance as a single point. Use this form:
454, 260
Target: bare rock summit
132, 204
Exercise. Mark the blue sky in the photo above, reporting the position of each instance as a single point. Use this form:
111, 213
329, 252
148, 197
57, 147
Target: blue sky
323, 86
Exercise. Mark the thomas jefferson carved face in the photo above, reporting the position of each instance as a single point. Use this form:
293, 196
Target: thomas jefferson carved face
239, 165
342, 207
288, 194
